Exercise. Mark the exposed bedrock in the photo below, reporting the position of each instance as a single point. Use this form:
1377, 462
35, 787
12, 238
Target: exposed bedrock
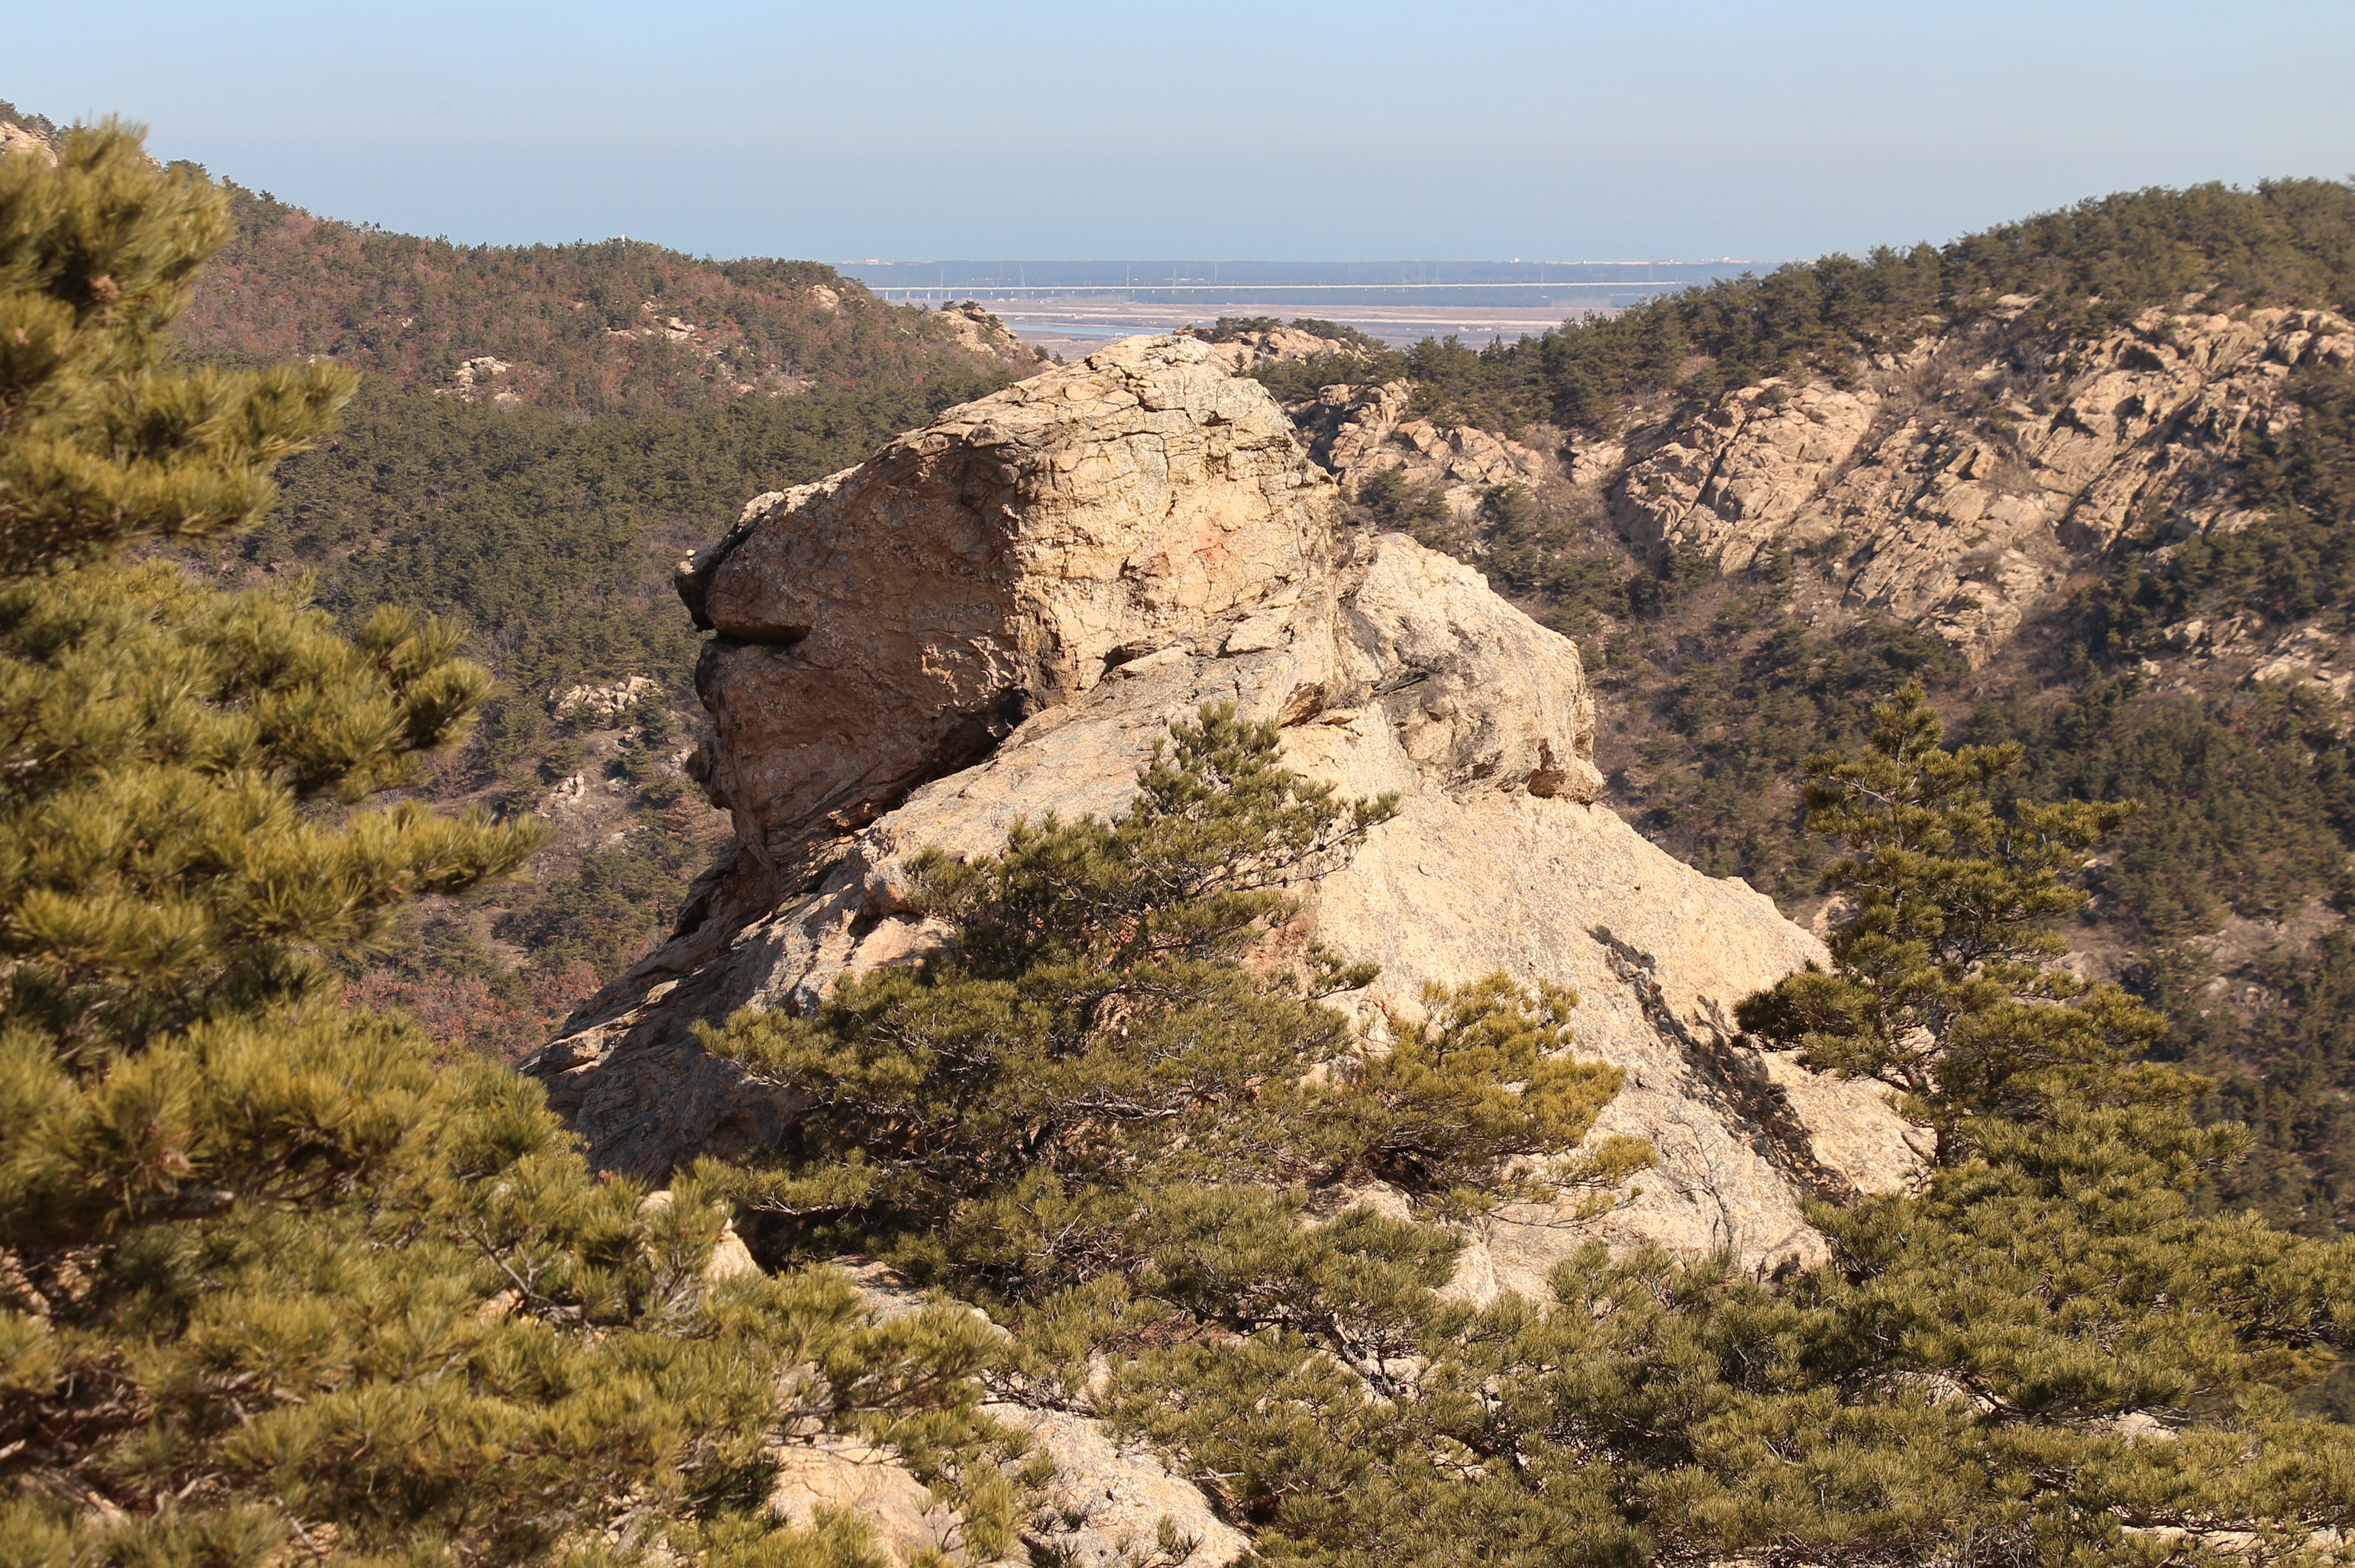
998, 615
1958, 487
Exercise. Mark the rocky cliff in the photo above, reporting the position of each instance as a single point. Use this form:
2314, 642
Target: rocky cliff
1965, 485
1958, 486
998, 615
1357, 432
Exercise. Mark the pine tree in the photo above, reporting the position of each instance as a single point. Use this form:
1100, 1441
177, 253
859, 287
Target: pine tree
1098, 1025
274, 1285
1109, 1109
1947, 982
2050, 1351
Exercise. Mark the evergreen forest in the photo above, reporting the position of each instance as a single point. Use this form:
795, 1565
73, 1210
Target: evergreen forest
308, 648
1718, 689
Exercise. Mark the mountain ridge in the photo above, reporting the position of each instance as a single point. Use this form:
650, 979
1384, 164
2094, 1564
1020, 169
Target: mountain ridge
594, 326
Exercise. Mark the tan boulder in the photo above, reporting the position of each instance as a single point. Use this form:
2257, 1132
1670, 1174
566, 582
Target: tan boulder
897, 621
1112, 1504
826, 1474
999, 615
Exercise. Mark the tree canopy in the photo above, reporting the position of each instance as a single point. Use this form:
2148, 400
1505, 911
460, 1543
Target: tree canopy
274, 1284
2048, 1350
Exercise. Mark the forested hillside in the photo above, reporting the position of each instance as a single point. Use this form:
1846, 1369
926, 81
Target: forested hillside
544, 429
1743, 500
612, 326
540, 433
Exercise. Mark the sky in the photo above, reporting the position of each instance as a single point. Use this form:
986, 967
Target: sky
910, 130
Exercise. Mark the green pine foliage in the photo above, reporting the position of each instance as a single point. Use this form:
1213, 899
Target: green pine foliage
2286, 1077
1946, 981
1117, 1109
1099, 1038
2049, 1352
1725, 728
273, 1286
276, 1285
2249, 797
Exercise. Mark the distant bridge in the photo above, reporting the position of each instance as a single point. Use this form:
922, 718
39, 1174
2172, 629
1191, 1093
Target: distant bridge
1048, 291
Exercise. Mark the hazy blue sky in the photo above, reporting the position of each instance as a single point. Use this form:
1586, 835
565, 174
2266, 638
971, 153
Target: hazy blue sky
910, 129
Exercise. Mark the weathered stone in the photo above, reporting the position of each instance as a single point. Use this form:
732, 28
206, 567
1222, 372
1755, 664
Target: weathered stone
842, 1476
913, 653
1968, 526
1360, 431
1112, 1504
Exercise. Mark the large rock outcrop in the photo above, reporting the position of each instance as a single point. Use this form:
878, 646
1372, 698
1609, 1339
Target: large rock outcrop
1957, 487
998, 615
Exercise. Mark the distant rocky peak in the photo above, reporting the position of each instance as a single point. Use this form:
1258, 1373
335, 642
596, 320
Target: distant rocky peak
1250, 345
23, 133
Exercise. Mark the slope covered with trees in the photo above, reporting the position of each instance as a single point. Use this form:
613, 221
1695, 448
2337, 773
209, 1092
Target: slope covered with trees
610, 326
2217, 900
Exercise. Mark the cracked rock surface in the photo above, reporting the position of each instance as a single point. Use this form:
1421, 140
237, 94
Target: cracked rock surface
1967, 526
998, 615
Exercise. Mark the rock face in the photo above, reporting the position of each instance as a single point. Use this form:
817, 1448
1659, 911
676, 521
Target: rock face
1360, 431
1967, 526
1276, 345
998, 616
